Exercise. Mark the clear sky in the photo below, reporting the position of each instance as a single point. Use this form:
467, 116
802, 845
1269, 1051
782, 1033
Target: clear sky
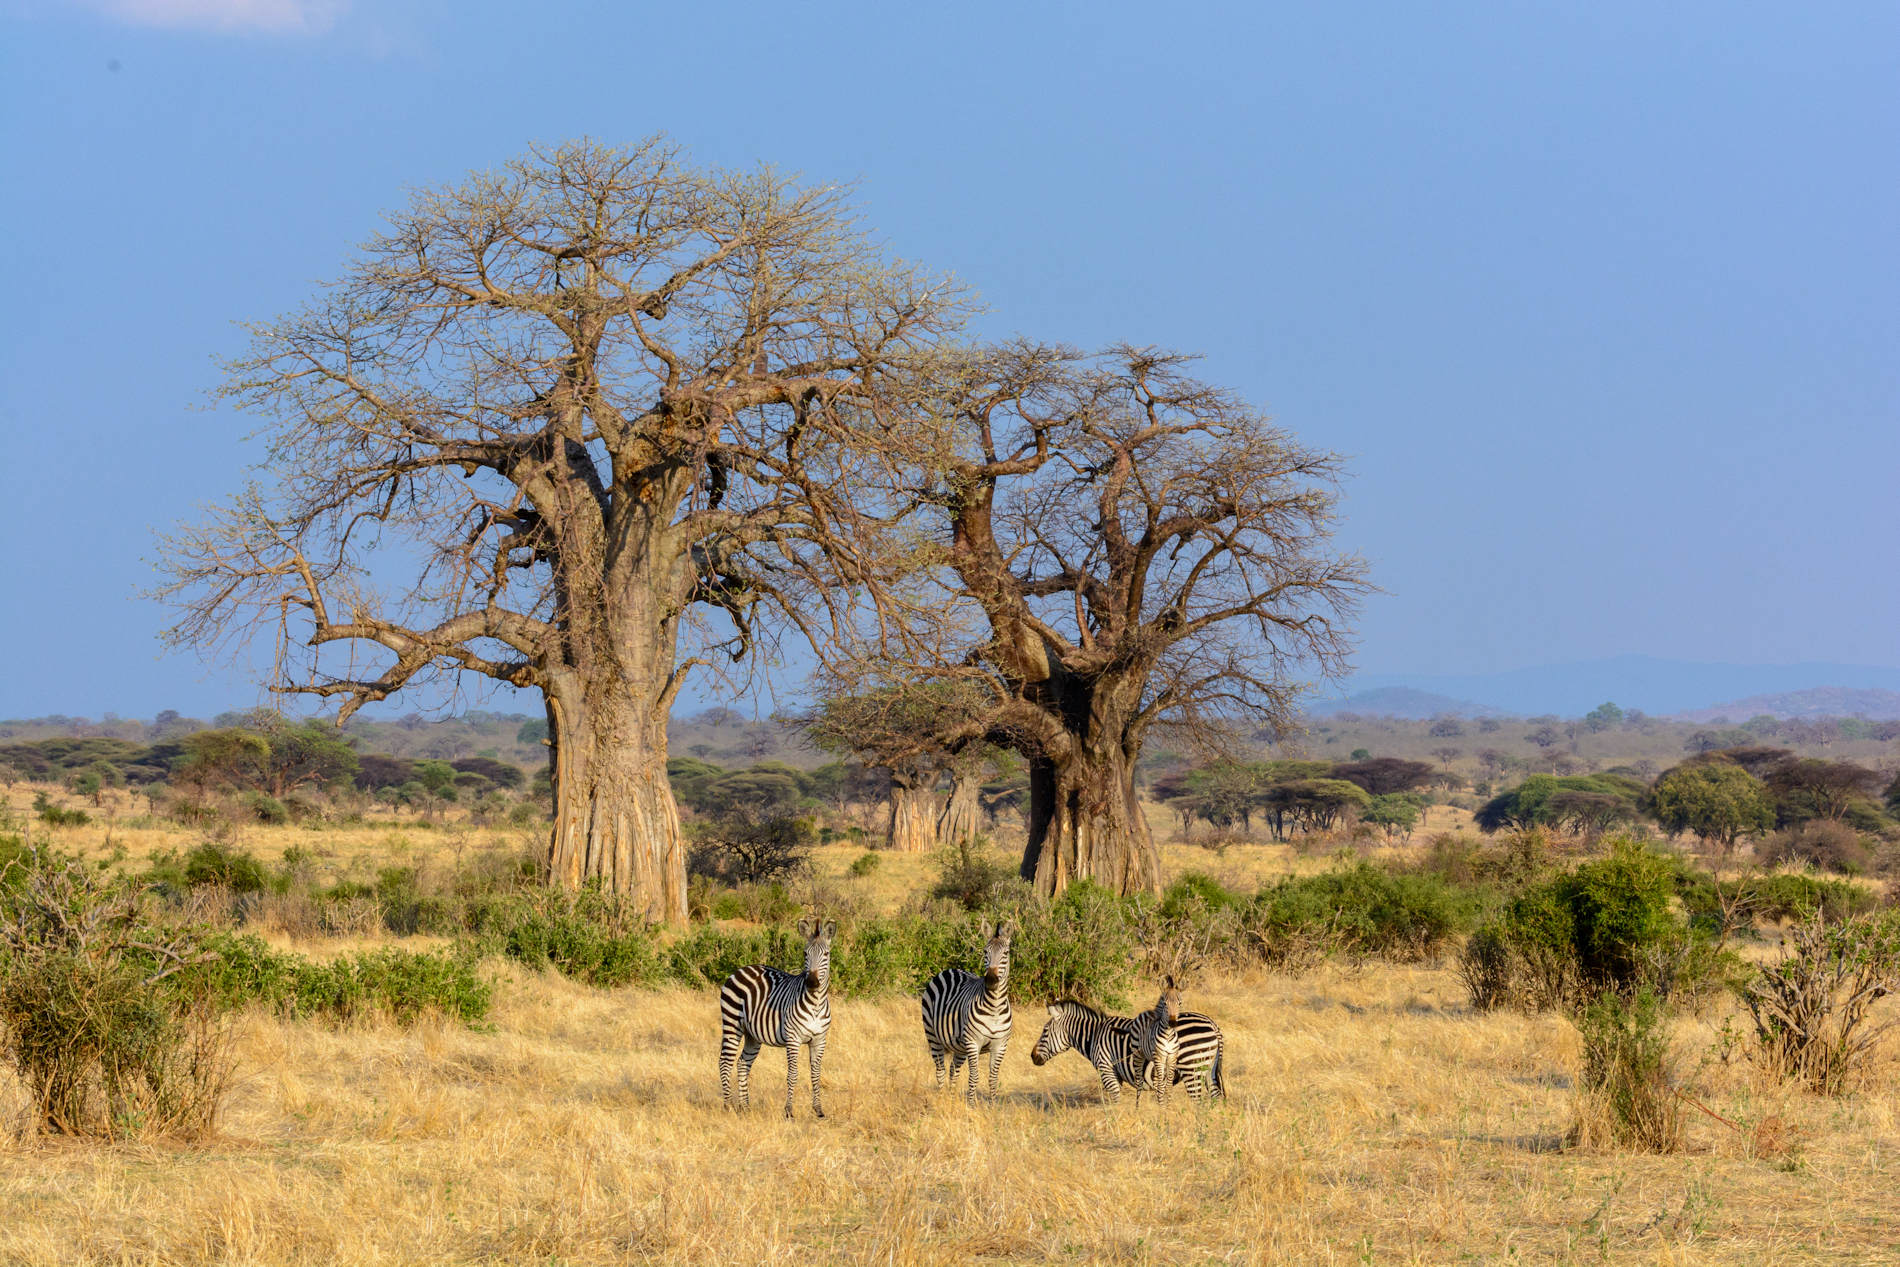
1600, 297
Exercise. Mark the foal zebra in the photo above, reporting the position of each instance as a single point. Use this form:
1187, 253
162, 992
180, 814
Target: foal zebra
966, 1014
761, 1006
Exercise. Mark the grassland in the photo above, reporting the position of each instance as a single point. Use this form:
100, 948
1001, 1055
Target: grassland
1375, 1118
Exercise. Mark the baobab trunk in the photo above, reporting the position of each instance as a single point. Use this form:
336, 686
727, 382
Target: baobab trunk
913, 826
962, 817
614, 818
1085, 822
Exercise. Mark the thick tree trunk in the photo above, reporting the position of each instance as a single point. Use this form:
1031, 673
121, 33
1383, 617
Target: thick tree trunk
913, 825
962, 817
614, 818
1085, 821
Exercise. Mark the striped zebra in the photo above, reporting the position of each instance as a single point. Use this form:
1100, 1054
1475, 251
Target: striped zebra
1187, 1047
1192, 1048
1197, 1056
763, 1007
1123, 1049
966, 1014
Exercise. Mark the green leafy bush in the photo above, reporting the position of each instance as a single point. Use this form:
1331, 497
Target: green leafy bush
236, 869
400, 984
865, 863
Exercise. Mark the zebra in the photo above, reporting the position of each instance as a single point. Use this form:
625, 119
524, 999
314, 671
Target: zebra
761, 1006
1191, 1047
1187, 1047
1123, 1049
1197, 1057
966, 1014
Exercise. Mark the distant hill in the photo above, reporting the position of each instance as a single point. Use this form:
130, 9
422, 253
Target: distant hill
1402, 702
1656, 686
1820, 701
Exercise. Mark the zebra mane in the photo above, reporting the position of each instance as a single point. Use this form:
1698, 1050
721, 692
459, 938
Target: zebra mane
1077, 1005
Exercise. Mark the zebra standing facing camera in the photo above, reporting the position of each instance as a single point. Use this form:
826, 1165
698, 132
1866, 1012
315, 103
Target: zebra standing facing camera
966, 1014
763, 1007
1176, 1046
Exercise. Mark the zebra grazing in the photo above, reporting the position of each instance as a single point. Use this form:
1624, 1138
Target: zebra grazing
966, 1014
1123, 1049
763, 1007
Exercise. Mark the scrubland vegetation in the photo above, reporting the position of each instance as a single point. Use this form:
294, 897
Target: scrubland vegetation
363, 1030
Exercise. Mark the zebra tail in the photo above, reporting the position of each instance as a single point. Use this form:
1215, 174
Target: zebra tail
1220, 1063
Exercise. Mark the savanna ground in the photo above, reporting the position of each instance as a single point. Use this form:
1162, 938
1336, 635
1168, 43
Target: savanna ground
1374, 1118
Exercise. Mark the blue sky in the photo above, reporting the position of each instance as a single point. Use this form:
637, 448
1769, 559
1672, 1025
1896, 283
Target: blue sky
1599, 297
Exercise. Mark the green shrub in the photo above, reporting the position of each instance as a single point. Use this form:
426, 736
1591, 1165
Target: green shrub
400, 984
1625, 1097
1193, 892
865, 863
236, 869
1080, 946
265, 809
969, 876
590, 936
1609, 926
1811, 1008
1362, 909
15, 858
92, 1012
54, 816
1485, 966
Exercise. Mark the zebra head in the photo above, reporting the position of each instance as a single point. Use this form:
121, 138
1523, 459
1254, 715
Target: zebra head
996, 955
1058, 1032
817, 950
1167, 1009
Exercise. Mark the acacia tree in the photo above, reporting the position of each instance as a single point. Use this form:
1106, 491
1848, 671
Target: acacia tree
551, 421
1141, 549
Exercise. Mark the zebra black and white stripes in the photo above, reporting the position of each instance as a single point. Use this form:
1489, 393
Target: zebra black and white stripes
966, 1014
1141, 1051
1179, 1046
761, 1006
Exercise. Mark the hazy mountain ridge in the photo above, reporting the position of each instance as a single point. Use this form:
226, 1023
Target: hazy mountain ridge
1656, 686
1820, 701
1404, 702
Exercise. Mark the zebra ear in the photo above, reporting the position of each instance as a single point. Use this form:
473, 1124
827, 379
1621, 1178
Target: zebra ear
831, 928
1054, 1010
804, 928
1170, 983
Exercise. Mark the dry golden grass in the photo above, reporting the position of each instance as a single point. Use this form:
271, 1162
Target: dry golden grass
1374, 1120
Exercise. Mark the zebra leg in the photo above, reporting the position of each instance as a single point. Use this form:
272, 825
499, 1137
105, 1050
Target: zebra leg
996, 1064
746, 1057
1111, 1085
791, 1076
974, 1057
817, 1059
936, 1057
728, 1056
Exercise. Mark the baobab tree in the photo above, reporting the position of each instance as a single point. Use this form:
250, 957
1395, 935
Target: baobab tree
1141, 549
555, 427
917, 731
